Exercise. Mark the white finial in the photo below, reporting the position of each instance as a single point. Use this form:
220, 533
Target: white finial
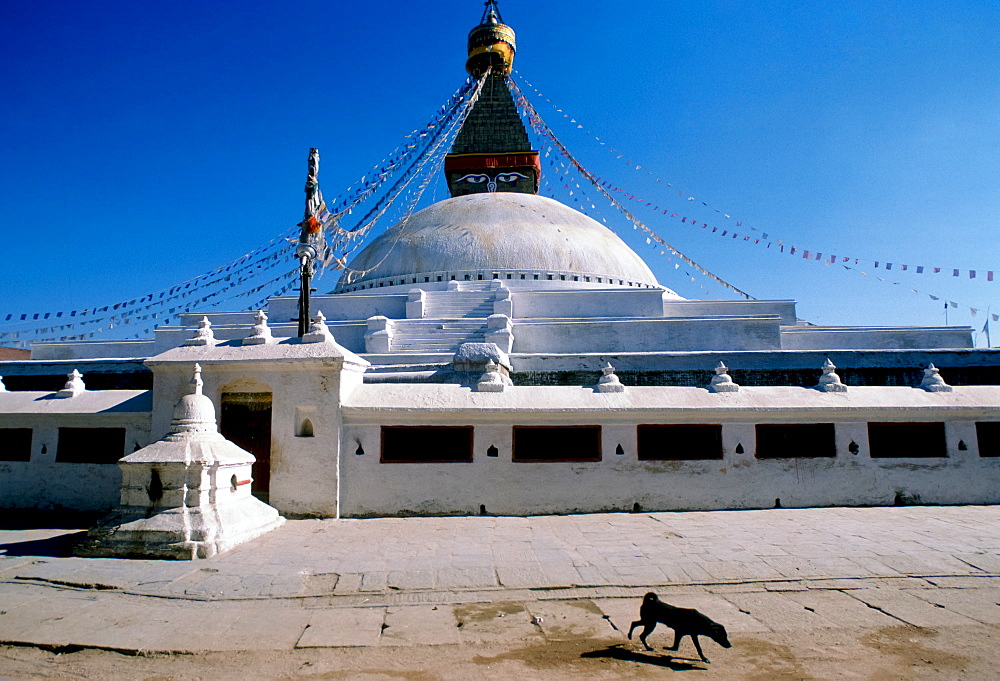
492, 381
196, 380
318, 331
933, 383
203, 336
830, 382
261, 334
721, 382
609, 382
74, 386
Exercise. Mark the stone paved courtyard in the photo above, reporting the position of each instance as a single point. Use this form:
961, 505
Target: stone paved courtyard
415, 582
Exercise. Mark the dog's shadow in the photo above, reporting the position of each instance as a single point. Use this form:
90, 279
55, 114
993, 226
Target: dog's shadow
620, 651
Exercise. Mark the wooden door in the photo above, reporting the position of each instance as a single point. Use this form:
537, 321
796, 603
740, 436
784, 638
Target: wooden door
246, 421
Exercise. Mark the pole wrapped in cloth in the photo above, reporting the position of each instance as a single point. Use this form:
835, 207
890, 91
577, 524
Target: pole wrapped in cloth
312, 242
316, 213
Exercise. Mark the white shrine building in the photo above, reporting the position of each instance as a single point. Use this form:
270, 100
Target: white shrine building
499, 352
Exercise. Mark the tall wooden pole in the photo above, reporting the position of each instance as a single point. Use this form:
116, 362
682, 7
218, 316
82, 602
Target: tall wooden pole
305, 283
310, 239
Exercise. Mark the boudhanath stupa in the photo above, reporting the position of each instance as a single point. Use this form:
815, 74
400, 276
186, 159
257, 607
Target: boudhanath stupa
500, 352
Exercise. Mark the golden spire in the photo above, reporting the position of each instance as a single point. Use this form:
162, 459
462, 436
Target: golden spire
491, 44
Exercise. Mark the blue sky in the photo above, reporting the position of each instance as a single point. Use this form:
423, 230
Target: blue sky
146, 143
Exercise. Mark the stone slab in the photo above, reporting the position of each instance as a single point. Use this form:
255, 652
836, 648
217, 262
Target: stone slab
82, 621
778, 611
970, 582
987, 561
465, 578
982, 605
413, 625
190, 629
133, 625
837, 609
908, 608
570, 620
343, 627
10, 566
521, 576
28, 616
410, 579
374, 581
496, 622
349, 582
258, 626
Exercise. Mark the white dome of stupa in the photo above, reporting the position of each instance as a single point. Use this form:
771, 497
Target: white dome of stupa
490, 235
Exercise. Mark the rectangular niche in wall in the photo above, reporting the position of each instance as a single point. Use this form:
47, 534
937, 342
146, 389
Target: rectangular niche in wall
988, 434
90, 445
15, 444
557, 443
795, 440
679, 442
906, 440
427, 444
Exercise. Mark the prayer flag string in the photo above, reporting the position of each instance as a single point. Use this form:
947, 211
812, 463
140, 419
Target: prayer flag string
742, 229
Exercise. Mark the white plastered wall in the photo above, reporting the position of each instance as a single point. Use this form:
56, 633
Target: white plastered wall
619, 482
43, 483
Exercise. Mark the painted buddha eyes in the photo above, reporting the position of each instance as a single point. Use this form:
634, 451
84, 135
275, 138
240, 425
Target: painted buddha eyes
511, 177
474, 179
491, 182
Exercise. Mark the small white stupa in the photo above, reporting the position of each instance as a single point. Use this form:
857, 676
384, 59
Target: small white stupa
319, 332
830, 382
492, 381
74, 385
609, 381
722, 382
261, 333
204, 336
933, 383
186, 496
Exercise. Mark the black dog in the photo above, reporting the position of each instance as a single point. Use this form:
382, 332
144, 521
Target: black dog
684, 622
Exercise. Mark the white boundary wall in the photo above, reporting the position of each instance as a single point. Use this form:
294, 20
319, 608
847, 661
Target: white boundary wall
618, 482
44, 483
